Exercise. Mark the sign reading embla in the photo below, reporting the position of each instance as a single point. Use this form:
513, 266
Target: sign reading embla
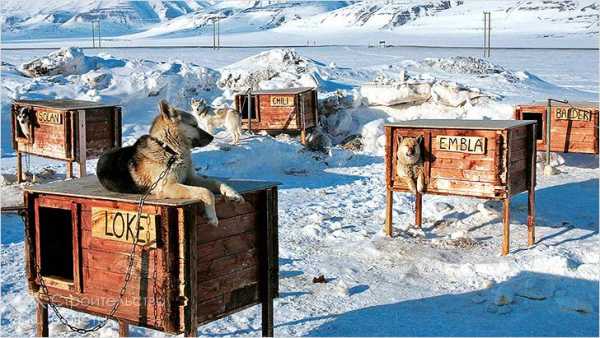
120, 225
462, 144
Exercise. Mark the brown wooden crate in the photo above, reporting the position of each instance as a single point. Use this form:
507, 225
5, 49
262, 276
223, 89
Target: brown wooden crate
211, 288
464, 174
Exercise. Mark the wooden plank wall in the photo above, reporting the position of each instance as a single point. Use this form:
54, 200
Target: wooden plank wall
50, 140
100, 131
103, 264
228, 259
519, 158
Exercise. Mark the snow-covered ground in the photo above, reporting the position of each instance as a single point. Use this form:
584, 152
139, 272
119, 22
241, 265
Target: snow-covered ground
448, 279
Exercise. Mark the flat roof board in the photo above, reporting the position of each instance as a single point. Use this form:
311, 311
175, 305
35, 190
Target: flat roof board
63, 104
89, 187
578, 104
283, 91
460, 124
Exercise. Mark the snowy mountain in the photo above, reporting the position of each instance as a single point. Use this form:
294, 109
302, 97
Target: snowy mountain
298, 21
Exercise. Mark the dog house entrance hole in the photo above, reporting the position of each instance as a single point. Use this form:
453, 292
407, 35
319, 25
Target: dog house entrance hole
539, 127
244, 108
56, 243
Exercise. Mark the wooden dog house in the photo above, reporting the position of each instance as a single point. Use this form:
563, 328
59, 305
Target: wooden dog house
185, 272
574, 126
279, 110
480, 158
68, 130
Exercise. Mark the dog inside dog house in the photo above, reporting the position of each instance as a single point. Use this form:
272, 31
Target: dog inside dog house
279, 110
183, 272
488, 159
67, 130
573, 125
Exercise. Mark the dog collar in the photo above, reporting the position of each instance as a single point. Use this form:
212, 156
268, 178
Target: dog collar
165, 146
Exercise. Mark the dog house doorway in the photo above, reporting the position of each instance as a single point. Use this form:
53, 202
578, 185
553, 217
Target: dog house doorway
56, 248
539, 126
244, 108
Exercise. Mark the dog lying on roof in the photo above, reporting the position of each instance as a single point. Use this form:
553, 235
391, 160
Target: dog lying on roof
135, 168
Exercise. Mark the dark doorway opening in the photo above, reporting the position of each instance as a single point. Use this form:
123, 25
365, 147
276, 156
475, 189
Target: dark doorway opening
539, 127
244, 107
56, 243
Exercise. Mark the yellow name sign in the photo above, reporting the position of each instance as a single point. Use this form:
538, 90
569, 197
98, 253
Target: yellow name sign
49, 117
282, 101
573, 114
120, 225
462, 144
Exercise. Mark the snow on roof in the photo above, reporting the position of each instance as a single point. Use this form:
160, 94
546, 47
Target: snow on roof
283, 90
63, 104
461, 124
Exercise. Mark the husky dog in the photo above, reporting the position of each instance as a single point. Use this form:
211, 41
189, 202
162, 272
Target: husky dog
214, 118
410, 162
135, 168
23, 118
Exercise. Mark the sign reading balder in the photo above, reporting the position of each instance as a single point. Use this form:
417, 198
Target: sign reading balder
282, 101
49, 117
574, 114
462, 144
120, 225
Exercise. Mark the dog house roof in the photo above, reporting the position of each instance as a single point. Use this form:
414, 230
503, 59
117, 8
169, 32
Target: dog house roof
461, 124
63, 104
89, 187
578, 104
283, 91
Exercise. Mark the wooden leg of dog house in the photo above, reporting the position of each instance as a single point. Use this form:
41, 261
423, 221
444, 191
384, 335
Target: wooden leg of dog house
191, 331
418, 210
303, 136
123, 329
42, 320
82, 169
531, 217
389, 204
69, 169
19, 167
506, 227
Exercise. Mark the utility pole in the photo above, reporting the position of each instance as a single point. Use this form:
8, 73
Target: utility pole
487, 34
93, 36
96, 30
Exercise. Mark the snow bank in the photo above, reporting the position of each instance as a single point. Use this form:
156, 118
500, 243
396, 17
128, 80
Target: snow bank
273, 69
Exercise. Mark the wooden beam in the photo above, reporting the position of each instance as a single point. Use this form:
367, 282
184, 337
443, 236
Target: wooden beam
123, 329
81, 132
41, 329
389, 204
418, 210
531, 189
506, 227
19, 167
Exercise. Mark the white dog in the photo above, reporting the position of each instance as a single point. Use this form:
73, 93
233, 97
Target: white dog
214, 118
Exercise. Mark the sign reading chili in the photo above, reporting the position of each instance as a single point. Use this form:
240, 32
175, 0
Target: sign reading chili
49, 117
282, 101
120, 225
575, 114
462, 144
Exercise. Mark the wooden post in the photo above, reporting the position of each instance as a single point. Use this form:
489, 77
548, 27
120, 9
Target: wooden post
123, 329
531, 189
191, 331
267, 280
69, 169
41, 312
418, 209
389, 205
82, 138
19, 167
506, 228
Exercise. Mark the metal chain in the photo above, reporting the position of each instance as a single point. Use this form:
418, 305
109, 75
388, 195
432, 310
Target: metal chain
128, 275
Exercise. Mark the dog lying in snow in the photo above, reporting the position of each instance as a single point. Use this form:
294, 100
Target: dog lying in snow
410, 163
214, 118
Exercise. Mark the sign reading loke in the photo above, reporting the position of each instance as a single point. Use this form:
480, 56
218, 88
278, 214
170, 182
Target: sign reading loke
574, 114
120, 225
462, 144
282, 101
49, 117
